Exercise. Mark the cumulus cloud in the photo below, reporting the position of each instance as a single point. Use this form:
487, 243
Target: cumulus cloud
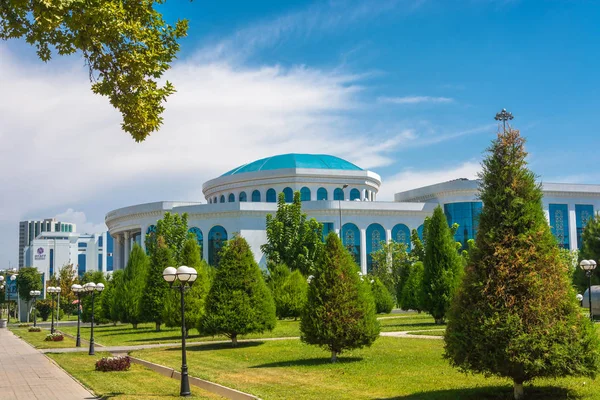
80, 220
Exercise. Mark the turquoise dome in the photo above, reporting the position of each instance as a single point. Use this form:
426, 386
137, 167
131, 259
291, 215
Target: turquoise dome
283, 161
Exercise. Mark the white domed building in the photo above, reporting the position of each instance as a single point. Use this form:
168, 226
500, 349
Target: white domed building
336, 193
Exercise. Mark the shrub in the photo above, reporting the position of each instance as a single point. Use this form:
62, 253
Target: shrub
35, 329
384, 302
23, 325
54, 337
44, 307
107, 364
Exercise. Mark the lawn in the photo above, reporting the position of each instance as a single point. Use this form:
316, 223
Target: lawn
137, 383
436, 332
36, 339
393, 368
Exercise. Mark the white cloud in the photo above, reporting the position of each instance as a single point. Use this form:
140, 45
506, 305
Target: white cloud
80, 220
410, 179
414, 100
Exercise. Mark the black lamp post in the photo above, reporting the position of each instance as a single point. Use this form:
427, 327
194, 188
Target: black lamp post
34, 294
589, 266
186, 277
52, 290
78, 289
92, 288
503, 116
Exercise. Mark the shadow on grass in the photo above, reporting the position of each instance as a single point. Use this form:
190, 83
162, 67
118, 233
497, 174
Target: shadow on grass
308, 362
218, 346
492, 393
413, 325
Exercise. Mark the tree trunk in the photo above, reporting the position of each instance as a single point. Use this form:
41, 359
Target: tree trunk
518, 389
333, 356
234, 340
134, 325
157, 326
439, 321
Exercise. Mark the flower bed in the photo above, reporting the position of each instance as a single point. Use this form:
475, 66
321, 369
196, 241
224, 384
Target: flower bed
23, 325
35, 329
54, 337
107, 364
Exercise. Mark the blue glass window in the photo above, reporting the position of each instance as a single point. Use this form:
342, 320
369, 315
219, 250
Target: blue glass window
100, 240
466, 215
222, 199
214, 199
305, 194
420, 231
355, 194
151, 229
100, 262
197, 232
322, 194
375, 235
109, 253
255, 196
217, 237
559, 224
401, 234
243, 197
338, 194
271, 196
351, 240
583, 213
327, 227
289, 195
231, 198
51, 262
81, 245
81, 265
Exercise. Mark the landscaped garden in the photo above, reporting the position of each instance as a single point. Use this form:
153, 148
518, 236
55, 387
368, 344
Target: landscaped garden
38, 339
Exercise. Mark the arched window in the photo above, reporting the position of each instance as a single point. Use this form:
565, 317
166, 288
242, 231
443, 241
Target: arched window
209, 201
216, 239
351, 240
198, 236
338, 194
375, 234
271, 196
401, 234
420, 231
255, 196
354, 194
222, 200
322, 194
243, 197
289, 195
151, 229
305, 194
231, 198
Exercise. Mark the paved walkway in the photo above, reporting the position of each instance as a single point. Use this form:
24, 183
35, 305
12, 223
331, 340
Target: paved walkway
25, 373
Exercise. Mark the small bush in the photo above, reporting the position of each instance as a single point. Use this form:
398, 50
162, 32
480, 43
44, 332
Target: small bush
54, 337
384, 302
23, 325
35, 329
107, 364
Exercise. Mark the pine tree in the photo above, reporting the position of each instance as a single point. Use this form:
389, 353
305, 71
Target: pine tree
288, 290
384, 302
133, 286
412, 292
515, 314
442, 267
239, 301
340, 310
195, 297
156, 288
590, 250
86, 300
110, 298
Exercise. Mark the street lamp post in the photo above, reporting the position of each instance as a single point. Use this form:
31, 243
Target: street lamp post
589, 266
186, 277
503, 116
13, 278
34, 294
92, 288
78, 289
52, 290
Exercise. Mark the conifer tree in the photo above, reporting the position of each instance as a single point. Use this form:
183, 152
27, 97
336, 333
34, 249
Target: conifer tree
195, 297
590, 250
156, 288
384, 302
239, 301
289, 291
110, 299
132, 287
86, 301
515, 314
442, 267
412, 292
340, 310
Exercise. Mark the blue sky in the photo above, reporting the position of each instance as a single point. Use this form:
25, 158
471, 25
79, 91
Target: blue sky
408, 89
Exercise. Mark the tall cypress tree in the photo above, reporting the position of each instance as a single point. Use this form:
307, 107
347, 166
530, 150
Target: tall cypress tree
515, 314
132, 287
340, 310
156, 287
442, 267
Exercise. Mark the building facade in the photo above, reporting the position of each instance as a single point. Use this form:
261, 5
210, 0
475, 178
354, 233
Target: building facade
29, 230
340, 195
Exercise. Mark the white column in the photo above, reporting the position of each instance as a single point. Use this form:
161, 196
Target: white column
143, 236
572, 227
116, 252
363, 251
388, 235
126, 248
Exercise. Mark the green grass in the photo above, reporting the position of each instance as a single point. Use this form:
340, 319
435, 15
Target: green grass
393, 368
137, 383
408, 322
437, 332
36, 339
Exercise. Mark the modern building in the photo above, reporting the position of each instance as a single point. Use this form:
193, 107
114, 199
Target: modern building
29, 230
340, 195
50, 251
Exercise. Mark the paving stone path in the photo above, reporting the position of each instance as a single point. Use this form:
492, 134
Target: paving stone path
25, 373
